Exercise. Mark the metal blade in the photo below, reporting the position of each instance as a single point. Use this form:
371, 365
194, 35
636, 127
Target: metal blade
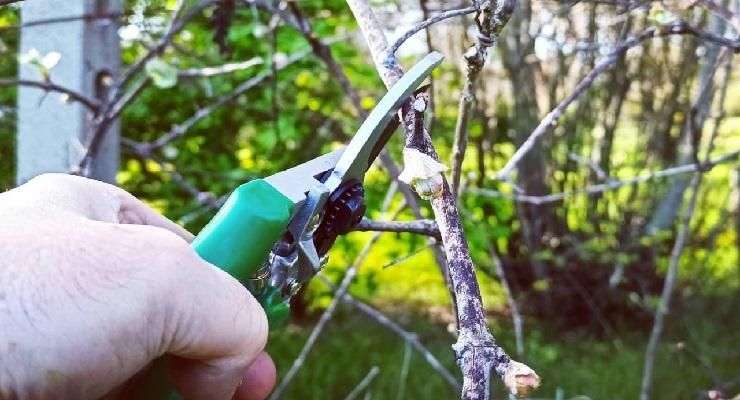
356, 158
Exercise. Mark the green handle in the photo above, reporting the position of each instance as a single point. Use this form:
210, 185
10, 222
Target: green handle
237, 240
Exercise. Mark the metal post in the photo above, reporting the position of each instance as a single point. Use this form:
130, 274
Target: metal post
51, 132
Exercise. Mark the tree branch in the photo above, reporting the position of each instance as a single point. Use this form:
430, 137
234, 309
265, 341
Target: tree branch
476, 350
91, 104
611, 185
179, 130
680, 28
391, 56
426, 227
364, 383
228, 68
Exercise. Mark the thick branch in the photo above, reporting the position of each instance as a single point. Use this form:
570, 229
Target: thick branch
179, 130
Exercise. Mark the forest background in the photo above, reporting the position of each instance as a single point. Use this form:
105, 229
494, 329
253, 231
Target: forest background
583, 234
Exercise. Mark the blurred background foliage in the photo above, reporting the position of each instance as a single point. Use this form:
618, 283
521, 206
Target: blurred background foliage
586, 271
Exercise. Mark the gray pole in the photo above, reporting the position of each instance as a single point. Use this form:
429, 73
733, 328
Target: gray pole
50, 131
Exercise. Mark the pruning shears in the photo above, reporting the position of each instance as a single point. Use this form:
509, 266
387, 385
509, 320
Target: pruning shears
273, 234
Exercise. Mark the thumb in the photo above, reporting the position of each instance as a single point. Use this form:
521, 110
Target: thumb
217, 330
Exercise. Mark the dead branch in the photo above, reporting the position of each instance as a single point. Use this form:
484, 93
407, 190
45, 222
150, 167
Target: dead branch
91, 104
426, 227
679, 28
476, 350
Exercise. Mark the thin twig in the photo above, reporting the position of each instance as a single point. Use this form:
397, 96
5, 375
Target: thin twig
409, 337
403, 377
91, 104
228, 68
665, 297
426, 227
181, 129
407, 256
391, 56
611, 185
679, 28
364, 383
516, 317
6, 2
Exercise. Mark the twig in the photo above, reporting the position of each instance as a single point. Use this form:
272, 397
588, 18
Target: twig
204, 198
600, 174
602, 187
516, 317
409, 337
680, 28
404, 372
175, 25
665, 296
678, 245
391, 56
91, 104
413, 253
476, 350
6, 2
220, 69
490, 22
426, 227
364, 383
179, 130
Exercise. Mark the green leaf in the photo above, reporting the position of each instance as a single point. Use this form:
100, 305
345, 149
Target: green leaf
162, 74
661, 16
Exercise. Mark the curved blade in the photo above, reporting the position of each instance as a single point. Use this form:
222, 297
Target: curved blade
356, 157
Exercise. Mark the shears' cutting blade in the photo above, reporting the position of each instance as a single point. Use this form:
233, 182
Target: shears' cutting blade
356, 158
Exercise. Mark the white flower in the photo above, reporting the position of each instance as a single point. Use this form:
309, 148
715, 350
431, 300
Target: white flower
423, 173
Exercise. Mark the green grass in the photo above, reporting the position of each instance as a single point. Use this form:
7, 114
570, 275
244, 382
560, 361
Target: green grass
572, 363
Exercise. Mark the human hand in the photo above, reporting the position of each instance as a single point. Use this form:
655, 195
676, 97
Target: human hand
94, 285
